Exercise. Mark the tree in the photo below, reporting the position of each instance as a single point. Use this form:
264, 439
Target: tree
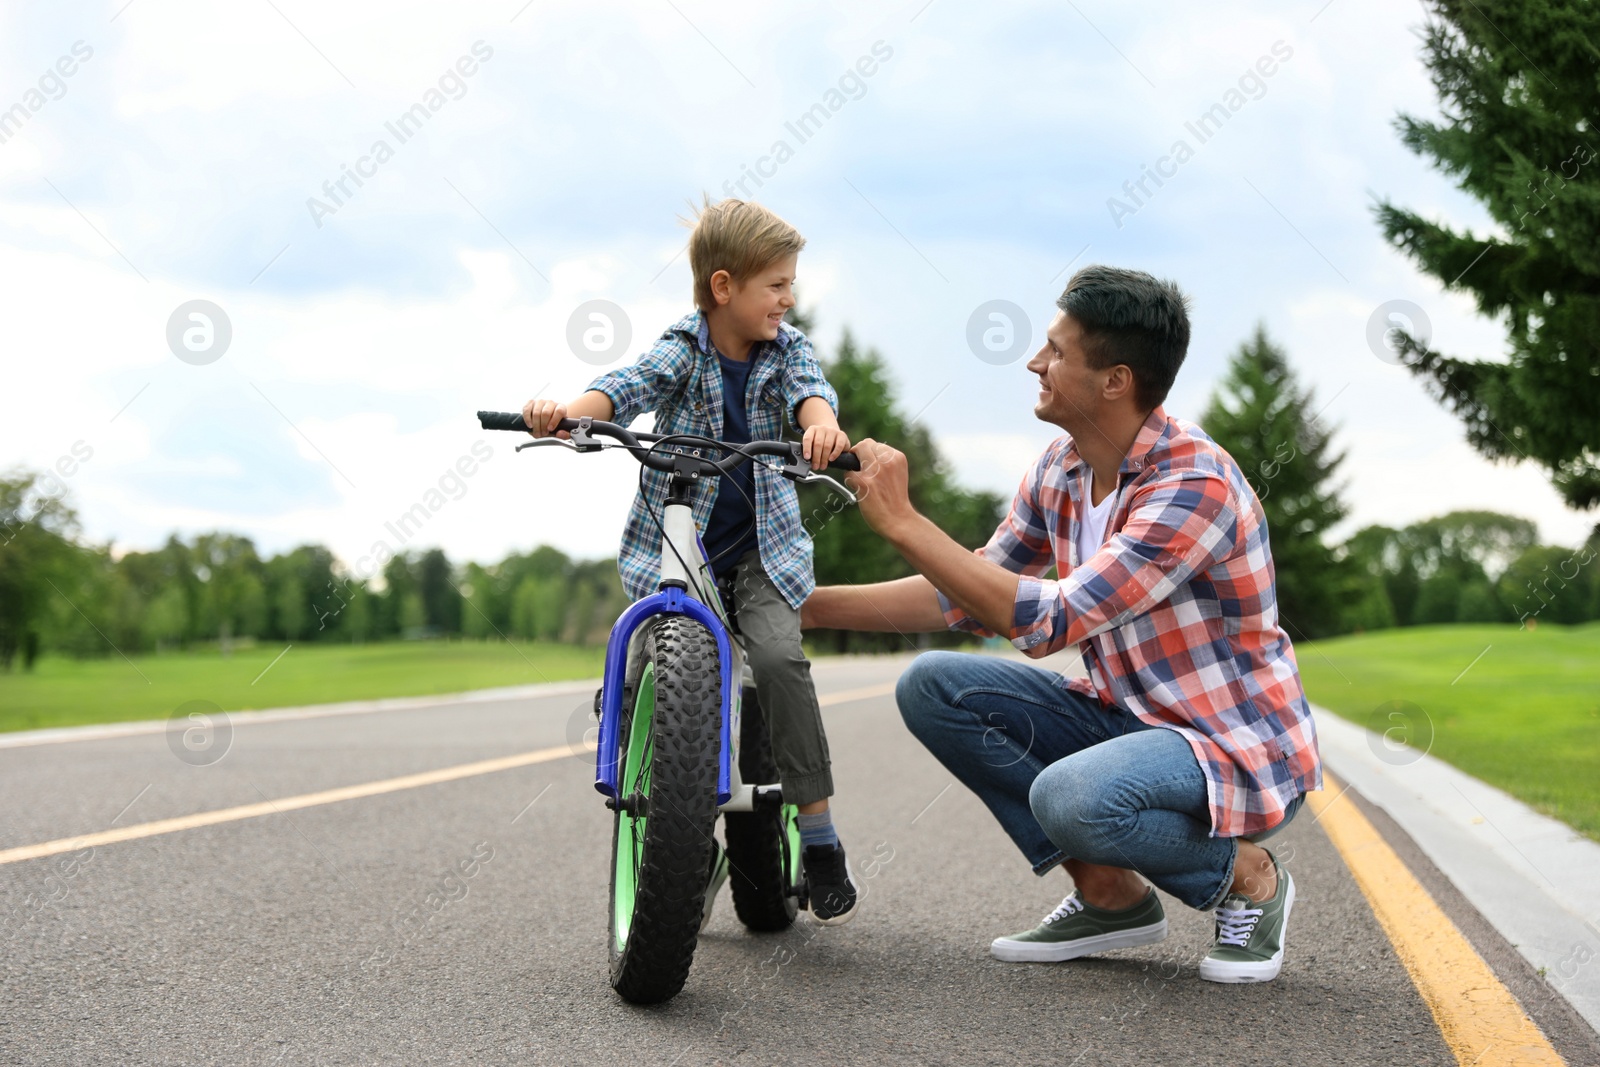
1549, 584
234, 603
36, 549
441, 600
1437, 570
1262, 417
1520, 99
304, 593
477, 602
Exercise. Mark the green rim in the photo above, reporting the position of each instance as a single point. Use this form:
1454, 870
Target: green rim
791, 833
635, 778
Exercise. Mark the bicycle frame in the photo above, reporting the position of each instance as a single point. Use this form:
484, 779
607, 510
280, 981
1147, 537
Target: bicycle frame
694, 595
686, 586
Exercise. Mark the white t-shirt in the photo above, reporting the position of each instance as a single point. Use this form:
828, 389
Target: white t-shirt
1092, 527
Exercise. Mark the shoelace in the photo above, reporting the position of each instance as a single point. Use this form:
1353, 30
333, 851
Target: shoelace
1235, 925
1067, 907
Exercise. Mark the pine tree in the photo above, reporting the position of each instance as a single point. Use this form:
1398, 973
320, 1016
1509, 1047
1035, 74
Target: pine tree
1269, 425
1517, 80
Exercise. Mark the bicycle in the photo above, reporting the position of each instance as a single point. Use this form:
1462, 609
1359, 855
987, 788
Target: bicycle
679, 742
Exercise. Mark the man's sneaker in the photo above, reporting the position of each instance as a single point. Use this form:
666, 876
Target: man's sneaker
1078, 928
1249, 944
828, 885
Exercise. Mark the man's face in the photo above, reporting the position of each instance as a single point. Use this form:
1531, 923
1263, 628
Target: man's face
758, 303
1069, 389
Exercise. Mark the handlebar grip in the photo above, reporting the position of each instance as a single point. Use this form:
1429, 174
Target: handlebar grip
502, 420
847, 461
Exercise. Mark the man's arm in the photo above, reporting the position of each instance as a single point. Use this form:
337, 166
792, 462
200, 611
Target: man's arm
907, 605
984, 590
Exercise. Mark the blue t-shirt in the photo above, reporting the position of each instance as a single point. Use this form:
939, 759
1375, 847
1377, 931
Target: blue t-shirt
731, 530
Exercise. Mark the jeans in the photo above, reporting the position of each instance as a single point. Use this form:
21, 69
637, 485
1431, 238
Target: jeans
1068, 777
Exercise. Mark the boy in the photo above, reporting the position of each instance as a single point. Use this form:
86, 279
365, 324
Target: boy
731, 371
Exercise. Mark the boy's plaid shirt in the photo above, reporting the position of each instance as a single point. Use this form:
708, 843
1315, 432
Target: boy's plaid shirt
1176, 615
681, 381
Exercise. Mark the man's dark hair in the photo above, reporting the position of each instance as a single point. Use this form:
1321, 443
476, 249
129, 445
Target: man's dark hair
1129, 317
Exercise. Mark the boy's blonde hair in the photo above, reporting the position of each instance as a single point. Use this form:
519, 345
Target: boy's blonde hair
740, 237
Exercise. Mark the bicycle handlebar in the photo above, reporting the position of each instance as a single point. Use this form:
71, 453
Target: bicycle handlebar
512, 420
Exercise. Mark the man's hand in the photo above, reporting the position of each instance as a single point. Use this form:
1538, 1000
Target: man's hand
543, 416
883, 487
823, 444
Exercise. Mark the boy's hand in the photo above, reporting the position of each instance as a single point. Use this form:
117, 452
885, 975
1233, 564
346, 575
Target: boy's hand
543, 416
824, 444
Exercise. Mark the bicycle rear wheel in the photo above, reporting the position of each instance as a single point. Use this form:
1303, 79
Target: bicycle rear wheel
661, 842
763, 845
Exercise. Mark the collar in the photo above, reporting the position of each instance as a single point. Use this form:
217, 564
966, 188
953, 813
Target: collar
1138, 457
698, 329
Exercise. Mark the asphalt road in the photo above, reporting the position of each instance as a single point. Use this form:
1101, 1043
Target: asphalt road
306, 937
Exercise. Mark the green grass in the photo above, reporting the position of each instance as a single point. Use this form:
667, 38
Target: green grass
1524, 717
67, 692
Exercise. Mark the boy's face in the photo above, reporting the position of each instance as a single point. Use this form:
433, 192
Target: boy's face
755, 306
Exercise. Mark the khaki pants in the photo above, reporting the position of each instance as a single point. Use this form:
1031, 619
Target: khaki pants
770, 632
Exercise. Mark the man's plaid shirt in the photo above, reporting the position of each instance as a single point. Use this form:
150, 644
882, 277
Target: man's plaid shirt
1176, 614
681, 381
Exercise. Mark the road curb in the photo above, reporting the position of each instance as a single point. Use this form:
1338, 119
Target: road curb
1534, 879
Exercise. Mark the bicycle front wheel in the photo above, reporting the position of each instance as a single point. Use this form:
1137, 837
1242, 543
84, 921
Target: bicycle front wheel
661, 843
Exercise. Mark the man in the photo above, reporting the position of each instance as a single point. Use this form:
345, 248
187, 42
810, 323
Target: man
1191, 739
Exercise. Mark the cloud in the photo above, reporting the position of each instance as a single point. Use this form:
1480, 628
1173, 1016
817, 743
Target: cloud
974, 167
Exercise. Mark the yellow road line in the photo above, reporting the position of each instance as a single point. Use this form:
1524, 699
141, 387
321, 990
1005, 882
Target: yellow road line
1481, 1021
332, 796
274, 807
865, 693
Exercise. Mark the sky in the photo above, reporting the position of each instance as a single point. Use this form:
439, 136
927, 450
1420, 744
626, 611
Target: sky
401, 213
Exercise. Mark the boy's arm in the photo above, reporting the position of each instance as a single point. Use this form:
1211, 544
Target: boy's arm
812, 403
823, 441
621, 395
543, 416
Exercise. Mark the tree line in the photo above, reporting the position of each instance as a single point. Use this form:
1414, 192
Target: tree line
60, 593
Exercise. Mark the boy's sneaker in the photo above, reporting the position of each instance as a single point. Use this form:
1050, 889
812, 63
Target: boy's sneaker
1249, 944
1078, 928
828, 885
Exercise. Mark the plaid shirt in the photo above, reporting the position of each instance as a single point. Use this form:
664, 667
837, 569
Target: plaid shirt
1176, 615
681, 381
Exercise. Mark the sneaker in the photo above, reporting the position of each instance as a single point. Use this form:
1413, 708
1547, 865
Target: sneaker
828, 885
1249, 944
719, 874
1078, 928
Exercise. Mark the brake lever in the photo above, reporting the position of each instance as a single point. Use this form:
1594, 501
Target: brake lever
538, 441
799, 469
817, 476
591, 446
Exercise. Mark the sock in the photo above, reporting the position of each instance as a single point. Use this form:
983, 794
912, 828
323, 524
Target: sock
817, 829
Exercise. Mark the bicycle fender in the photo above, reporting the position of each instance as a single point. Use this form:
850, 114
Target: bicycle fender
670, 601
